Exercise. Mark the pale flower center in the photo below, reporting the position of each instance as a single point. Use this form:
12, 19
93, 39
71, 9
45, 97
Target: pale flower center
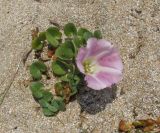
89, 66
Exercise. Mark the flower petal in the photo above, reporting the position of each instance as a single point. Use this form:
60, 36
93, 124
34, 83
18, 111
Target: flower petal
94, 83
109, 78
111, 59
96, 47
91, 42
80, 58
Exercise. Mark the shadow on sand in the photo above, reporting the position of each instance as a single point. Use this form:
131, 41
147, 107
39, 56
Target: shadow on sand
92, 101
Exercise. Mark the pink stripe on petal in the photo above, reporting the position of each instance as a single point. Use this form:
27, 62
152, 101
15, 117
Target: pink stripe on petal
109, 78
93, 83
111, 59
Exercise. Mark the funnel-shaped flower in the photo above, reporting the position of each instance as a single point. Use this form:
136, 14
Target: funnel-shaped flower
101, 64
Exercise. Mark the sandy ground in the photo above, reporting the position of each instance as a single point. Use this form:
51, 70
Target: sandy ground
134, 27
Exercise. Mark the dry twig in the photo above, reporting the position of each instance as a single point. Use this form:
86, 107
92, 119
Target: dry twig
3, 94
25, 56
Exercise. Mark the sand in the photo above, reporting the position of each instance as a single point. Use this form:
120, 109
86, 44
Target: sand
132, 25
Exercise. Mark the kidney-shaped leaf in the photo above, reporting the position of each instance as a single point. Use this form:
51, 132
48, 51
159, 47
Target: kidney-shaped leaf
36, 70
81, 31
78, 42
41, 66
42, 36
87, 35
58, 68
36, 88
70, 29
53, 35
45, 104
36, 44
66, 51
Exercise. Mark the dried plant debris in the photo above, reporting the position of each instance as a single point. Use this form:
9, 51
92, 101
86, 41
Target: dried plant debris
140, 126
53, 22
125, 126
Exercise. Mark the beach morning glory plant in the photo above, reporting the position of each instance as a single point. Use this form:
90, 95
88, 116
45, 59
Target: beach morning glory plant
76, 58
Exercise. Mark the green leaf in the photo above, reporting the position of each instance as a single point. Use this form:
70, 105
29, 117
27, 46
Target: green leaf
36, 74
55, 104
58, 68
47, 96
61, 104
70, 29
78, 42
53, 42
65, 51
81, 31
37, 94
73, 85
36, 44
53, 32
52, 108
64, 78
98, 34
41, 66
47, 112
70, 67
87, 35
53, 35
73, 82
76, 79
74, 90
43, 103
36, 69
42, 36
36, 88
83, 34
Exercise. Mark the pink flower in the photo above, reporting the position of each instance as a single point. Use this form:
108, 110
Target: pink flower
101, 64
